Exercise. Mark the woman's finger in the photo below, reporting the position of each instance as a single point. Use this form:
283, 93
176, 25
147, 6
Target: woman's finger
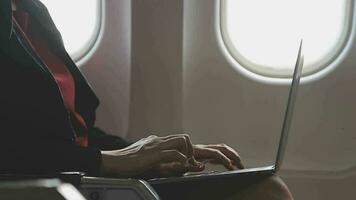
179, 142
190, 148
174, 163
171, 169
214, 154
230, 153
167, 156
177, 169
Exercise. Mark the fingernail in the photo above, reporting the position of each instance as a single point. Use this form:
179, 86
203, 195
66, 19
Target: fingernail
194, 162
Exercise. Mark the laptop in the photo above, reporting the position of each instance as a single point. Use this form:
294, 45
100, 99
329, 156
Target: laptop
259, 172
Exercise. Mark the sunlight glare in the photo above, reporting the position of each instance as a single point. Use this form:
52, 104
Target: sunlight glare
76, 20
267, 33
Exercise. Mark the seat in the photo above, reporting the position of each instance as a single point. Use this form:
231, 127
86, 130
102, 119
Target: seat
93, 188
110, 189
52, 189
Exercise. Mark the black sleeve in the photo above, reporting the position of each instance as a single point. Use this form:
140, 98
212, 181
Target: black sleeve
99, 139
29, 156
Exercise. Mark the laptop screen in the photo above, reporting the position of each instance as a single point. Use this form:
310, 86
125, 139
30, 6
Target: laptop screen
290, 108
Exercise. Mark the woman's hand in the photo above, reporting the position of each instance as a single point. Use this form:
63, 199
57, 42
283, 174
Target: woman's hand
152, 157
218, 154
166, 156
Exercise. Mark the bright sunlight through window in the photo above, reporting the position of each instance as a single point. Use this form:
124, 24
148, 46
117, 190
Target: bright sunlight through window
263, 36
78, 21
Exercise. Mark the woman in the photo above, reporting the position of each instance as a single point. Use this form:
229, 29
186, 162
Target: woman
48, 112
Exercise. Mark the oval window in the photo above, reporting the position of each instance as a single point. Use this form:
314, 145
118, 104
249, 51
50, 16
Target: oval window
263, 36
78, 21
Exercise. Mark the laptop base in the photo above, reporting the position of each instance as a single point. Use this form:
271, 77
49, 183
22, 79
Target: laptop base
209, 186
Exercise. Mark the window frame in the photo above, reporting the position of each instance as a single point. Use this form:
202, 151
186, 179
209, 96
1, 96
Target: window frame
89, 46
262, 70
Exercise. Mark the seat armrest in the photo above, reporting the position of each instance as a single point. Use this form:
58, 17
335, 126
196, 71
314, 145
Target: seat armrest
69, 177
94, 188
51, 189
109, 189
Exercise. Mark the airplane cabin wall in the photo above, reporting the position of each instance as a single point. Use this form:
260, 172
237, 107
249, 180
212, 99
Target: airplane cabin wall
160, 68
222, 104
108, 68
156, 78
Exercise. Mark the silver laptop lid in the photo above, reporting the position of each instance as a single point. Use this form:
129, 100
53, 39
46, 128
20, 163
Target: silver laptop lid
290, 108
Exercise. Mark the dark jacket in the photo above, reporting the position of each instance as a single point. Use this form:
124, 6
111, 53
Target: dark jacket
36, 134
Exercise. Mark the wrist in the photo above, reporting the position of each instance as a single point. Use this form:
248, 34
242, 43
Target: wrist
116, 164
107, 167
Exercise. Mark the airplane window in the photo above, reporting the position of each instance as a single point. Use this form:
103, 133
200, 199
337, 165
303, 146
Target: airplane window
263, 36
78, 21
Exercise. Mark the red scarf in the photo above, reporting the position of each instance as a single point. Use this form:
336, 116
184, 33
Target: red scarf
59, 70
